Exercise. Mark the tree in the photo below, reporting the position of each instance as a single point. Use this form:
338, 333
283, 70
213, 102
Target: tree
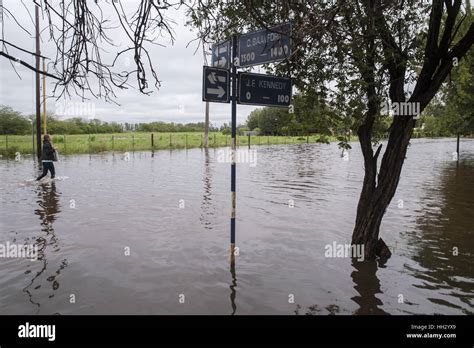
252, 119
453, 112
269, 120
13, 122
313, 114
360, 51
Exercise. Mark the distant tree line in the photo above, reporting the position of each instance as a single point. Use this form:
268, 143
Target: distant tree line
13, 122
170, 127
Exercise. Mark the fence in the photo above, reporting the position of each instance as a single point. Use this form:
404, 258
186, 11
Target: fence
94, 143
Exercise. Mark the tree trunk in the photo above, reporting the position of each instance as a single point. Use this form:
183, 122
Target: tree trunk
375, 197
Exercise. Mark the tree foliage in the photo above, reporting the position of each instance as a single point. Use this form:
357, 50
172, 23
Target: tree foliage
13, 122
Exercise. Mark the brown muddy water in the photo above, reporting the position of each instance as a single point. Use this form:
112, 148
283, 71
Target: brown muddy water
145, 235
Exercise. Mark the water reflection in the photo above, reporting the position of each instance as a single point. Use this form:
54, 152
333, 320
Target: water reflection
47, 241
444, 241
367, 285
233, 286
207, 207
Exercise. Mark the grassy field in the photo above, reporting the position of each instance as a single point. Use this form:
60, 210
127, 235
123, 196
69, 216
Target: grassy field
95, 143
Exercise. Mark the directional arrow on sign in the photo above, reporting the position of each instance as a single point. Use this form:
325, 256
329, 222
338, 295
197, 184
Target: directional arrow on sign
222, 61
221, 55
219, 50
213, 79
215, 85
219, 91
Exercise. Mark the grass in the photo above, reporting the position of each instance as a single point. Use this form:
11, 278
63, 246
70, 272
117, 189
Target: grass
122, 142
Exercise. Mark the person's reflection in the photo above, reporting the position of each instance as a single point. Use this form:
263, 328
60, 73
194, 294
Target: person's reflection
233, 286
48, 201
367, 285
206, 204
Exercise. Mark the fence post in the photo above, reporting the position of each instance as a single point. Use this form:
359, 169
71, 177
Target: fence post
33, 136
186, 136
152, 141
268, 140
133, 142
214, 139
201, 139
170, 140
64, 140
226, 140
89, 142
249, 141
6, 141
113, 143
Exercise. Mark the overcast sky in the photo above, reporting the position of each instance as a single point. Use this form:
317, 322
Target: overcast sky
179, 68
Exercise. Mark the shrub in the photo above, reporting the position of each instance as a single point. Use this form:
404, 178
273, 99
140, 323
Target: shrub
323, 139
226, 131
10, 152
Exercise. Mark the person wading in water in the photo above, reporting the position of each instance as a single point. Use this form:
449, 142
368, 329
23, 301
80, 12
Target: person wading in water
47, 157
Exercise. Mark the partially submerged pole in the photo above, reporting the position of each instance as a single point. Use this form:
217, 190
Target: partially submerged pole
38, 96
44, 99
457, 148
233, 147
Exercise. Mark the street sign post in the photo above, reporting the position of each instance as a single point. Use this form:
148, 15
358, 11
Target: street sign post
233, 149
260, 47
265, 46
258, 89
221, 55
215, 85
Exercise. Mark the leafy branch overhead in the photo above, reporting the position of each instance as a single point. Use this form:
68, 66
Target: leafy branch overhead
89, 58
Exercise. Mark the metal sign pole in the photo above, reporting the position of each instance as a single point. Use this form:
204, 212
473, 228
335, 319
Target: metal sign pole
252, 89
233, 145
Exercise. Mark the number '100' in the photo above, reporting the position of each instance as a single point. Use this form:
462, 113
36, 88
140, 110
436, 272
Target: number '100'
283, 98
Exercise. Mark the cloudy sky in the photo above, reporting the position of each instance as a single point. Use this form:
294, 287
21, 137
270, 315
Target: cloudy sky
179, 68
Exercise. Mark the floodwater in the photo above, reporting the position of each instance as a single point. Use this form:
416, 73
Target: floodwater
151, 235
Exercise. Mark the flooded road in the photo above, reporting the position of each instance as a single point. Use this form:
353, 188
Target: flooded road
151, 235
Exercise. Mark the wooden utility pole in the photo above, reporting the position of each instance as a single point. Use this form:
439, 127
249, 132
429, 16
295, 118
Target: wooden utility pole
457, 147
206, 127
38, 96
44, 98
